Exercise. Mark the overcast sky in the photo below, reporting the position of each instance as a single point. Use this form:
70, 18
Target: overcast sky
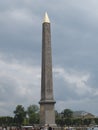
74, 31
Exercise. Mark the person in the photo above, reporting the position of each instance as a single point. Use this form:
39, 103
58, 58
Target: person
4, 128
41, 128
49, 127
46, 127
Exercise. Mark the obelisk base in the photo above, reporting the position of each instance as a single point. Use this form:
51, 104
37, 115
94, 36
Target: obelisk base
47, 113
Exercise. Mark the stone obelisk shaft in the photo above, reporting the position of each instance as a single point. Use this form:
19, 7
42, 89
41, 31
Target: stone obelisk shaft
47, 113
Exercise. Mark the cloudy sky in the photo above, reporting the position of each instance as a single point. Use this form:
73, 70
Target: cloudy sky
74, 28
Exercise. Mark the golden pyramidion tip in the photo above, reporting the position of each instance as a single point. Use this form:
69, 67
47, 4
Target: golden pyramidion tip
46, 18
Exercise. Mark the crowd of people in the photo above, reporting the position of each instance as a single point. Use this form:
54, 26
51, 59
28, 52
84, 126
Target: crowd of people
45, 127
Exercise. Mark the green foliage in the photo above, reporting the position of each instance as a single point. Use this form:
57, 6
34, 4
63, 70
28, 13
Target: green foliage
57, 115
67, 113
34, 118
32, 109
20, 114
63, 118
6, 121
96, 121
58, 121
77, 122
66, 118
68, 121
33, 114
87, 122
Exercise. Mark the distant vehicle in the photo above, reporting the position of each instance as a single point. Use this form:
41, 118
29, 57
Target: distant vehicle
27, 127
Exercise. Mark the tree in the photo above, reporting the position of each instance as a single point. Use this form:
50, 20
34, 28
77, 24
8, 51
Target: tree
6, 120
32, 109
96, 121
57, 117
20, 114
67, 113
34, 118
33, 114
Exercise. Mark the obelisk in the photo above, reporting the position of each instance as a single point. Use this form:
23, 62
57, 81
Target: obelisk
47, 112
